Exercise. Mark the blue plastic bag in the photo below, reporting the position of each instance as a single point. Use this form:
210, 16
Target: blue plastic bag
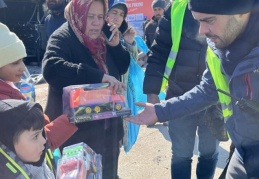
142, 46
56, 155
134, 94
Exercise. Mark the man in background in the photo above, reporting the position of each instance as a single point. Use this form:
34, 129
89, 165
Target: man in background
56, 16
158, 7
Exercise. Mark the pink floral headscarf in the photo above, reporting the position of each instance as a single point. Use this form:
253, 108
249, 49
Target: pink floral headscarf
76, 14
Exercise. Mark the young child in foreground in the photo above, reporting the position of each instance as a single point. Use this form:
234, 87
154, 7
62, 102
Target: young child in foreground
22, 141
12, 52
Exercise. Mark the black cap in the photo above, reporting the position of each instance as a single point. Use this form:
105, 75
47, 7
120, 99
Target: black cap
120, 5
222, 7
158, 3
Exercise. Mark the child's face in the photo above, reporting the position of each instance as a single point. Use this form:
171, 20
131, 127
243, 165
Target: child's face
13, 71
30, 145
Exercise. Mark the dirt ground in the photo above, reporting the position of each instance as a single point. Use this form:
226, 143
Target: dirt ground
150, 157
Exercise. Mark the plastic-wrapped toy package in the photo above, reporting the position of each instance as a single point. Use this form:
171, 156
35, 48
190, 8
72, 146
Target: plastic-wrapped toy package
79, 161
26, 86
92, 102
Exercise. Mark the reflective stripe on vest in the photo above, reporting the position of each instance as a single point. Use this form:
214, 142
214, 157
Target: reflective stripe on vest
220, 82
14, 163
177, 16
48, 158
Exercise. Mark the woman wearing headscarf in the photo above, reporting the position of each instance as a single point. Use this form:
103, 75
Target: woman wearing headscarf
77, 53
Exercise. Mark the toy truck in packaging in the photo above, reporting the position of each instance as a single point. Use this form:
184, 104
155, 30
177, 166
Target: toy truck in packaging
93, 102
79, 161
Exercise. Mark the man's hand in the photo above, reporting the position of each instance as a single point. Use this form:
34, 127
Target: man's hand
146, 117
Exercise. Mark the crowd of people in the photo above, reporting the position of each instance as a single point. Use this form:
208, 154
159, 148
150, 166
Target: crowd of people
202, 53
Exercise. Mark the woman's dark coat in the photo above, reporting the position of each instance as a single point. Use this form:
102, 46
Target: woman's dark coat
68, 62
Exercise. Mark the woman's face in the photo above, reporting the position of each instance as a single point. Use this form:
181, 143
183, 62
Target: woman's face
30, 145
95, 20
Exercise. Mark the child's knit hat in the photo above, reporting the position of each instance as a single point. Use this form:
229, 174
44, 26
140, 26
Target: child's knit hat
11, 47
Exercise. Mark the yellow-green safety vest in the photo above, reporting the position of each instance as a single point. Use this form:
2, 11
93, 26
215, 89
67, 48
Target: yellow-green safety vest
177, 11
177, 16
220, 82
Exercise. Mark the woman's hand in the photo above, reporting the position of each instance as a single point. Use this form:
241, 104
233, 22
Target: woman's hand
129, 35
118, 87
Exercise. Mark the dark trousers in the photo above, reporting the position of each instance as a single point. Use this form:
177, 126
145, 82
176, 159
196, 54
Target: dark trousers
111, 157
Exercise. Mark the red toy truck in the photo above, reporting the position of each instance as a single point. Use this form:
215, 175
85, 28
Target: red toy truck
96, 101
92, 102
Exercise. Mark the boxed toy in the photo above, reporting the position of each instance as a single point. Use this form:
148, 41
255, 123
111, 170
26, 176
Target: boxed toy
92, 102
79, 161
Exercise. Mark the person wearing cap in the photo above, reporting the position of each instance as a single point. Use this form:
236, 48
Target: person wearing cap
158, 7
23, 150
186, 73
12, 52
117, 14
231, 77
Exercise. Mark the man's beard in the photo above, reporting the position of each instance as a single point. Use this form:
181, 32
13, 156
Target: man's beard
54, 7
232, 30
158, 17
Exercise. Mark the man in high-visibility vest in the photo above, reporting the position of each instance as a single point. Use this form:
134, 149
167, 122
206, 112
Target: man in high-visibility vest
231, 27
186, 73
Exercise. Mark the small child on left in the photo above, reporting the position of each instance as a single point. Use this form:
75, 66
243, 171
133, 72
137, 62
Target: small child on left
23, 148
12, 52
